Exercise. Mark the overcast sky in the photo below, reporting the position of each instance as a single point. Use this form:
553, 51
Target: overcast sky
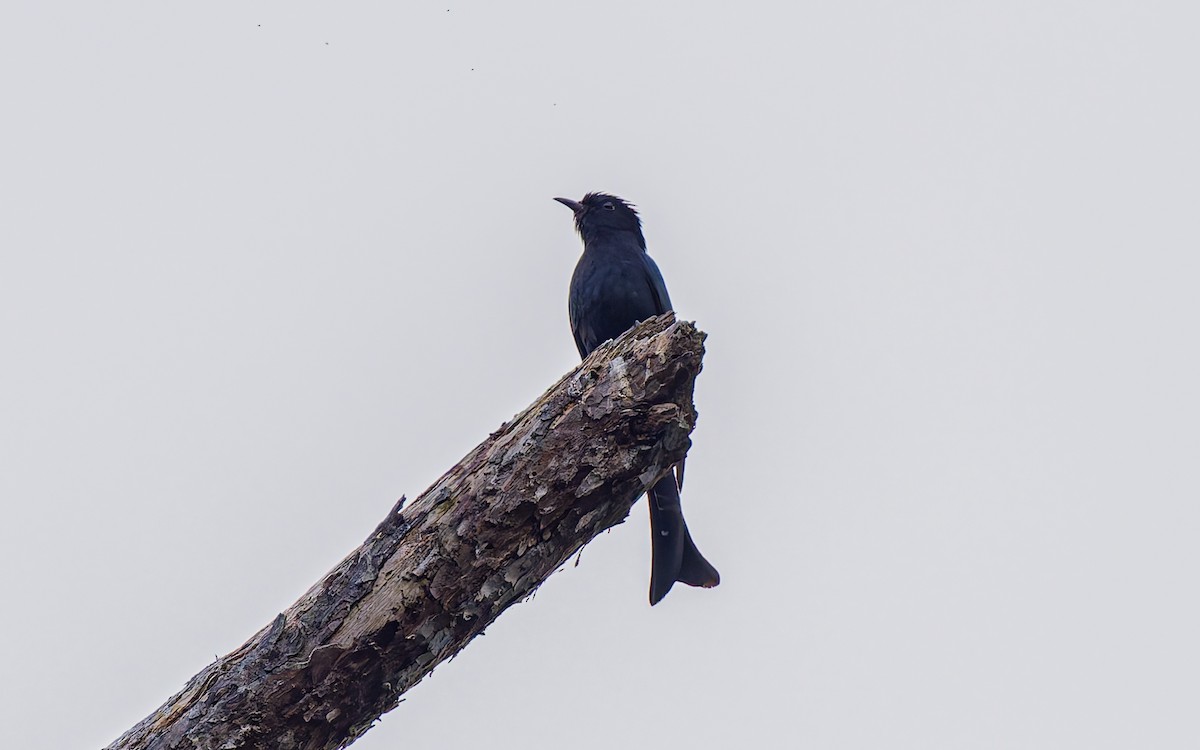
267, 266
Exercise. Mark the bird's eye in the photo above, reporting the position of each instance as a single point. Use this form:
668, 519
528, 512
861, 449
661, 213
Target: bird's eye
609, 206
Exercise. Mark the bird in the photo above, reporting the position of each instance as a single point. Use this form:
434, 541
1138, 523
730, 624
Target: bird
616, 285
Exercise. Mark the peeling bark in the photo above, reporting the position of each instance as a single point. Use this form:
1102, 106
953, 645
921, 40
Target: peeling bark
434, 574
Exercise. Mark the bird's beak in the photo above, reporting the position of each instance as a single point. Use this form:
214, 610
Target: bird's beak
575, 206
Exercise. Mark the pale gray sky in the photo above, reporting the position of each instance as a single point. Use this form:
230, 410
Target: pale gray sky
267, 266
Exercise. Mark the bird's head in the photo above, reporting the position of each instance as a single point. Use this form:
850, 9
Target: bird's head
600, 213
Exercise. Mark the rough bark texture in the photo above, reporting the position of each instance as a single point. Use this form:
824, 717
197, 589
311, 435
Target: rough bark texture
434, 574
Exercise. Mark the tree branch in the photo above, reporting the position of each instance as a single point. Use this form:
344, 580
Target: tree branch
433, 575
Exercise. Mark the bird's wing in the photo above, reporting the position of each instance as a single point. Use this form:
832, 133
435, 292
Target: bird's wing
658, 288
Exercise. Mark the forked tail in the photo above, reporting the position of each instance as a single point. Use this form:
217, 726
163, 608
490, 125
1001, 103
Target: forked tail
674, 554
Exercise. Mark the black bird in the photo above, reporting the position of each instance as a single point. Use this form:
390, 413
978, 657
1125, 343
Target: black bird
615, 286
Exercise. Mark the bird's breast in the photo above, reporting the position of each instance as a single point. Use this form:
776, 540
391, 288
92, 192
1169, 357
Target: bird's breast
609, 295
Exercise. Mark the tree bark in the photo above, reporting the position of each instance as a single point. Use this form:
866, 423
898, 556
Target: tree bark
434, 574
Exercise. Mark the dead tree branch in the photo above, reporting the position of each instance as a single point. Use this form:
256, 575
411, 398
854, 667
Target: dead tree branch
434, 574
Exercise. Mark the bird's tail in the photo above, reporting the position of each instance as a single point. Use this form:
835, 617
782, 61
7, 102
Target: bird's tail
675, 557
